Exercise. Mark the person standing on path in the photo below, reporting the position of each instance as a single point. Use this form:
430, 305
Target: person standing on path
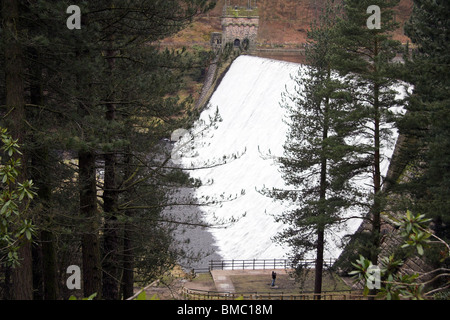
274, 276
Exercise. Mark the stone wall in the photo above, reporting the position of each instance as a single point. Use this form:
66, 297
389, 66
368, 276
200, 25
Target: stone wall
216, 41
240, 28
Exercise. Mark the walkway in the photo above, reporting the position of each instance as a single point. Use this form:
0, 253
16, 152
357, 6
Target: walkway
222, 278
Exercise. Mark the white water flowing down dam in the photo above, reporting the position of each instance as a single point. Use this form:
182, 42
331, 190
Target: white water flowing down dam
251, 124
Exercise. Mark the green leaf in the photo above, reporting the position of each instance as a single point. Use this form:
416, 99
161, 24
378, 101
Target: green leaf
409, 227
420, 249
366, 291
142, 296
92, 296
5, 207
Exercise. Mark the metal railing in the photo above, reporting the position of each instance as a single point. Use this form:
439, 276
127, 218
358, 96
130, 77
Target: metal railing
263, 264
194, 294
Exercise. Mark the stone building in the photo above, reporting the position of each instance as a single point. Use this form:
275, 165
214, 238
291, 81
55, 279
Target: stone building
239, 25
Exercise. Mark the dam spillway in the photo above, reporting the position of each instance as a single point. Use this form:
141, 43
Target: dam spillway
251, 126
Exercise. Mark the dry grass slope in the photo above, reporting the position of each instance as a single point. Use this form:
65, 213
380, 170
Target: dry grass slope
282, 22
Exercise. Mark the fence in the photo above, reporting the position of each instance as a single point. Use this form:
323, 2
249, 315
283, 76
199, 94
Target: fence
258, 264
193, 294
262, 264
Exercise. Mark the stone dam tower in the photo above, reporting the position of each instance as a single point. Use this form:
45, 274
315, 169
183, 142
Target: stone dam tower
240, 23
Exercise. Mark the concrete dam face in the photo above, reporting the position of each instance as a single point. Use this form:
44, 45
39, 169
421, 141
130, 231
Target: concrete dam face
250, 127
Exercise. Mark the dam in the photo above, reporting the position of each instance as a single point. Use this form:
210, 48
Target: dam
249, 133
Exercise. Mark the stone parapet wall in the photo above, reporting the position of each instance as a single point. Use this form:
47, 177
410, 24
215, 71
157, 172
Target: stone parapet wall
240, 28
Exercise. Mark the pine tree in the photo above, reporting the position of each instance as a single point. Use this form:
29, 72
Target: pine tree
123, 42
365, 58
74, 91
14, 53
426, 123
320, 119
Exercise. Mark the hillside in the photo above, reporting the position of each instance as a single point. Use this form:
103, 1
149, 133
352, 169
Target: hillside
283, 23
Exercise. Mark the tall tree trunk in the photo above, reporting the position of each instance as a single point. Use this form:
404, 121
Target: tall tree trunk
38, 280
21, 276
376, 210
128, 262
127, 254
49, 263
49, 272
111, 232
37, 175
46, 277
87, 181
320, 229
110, 206
90, 238
322, 197
319, 262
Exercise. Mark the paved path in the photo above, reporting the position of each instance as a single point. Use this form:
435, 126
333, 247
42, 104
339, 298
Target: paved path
222, 281
222, 278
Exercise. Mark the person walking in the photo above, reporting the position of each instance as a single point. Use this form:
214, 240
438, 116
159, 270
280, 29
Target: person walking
274, 276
